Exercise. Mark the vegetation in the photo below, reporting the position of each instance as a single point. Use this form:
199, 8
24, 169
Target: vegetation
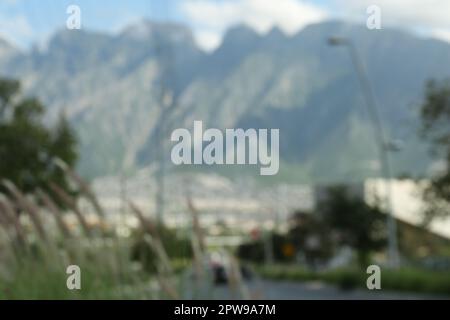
27, 147
256, 250
405, 279
178, 248
340, 220
357, 225
33, 266
39, 239
312, 237
106, 274
435, 127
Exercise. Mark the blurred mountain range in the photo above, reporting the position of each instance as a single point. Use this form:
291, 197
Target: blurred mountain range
111, 87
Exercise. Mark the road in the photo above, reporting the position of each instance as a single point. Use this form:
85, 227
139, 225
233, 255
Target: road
280, 290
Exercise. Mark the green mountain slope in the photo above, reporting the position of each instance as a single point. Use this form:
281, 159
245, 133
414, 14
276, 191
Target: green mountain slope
110, 87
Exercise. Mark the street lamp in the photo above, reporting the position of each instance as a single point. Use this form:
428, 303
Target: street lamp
381, 137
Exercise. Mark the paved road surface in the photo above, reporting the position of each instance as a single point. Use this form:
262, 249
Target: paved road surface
313, 290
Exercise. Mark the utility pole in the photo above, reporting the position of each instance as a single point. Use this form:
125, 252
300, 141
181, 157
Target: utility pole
382, 143
163, 56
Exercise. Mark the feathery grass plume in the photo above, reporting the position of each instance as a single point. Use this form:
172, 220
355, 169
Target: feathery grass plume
48, 202
236, 283
9, 248
150, 227
4, 220
196, 224
91, 197
47, 248
8, 211
71, 203
84, 187
72, 249
50, 249
27, 206
147, 224
164, 268
86, 191
197, 242
16, 242
168, 289
164, 271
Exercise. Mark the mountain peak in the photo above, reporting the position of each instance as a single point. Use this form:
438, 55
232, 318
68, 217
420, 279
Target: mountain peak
68, 40
276, 33
296, 83
141, 29
3, 43
145, 29
7, 49
275, 30
6, 45
240, 33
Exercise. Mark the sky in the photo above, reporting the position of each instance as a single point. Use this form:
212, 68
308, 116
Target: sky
25, 22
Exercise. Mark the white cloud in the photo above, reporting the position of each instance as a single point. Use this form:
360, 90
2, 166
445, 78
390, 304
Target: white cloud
441, 34
16, 29
210, 19
209, 40
433, 16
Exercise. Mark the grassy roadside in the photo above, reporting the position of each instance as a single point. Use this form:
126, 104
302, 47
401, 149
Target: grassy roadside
405, 279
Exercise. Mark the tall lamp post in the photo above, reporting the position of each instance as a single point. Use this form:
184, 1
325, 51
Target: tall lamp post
381, 138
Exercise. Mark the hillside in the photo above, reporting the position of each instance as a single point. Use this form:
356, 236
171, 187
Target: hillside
110, 88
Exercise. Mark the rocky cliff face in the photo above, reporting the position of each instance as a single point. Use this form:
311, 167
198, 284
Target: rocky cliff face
110, 86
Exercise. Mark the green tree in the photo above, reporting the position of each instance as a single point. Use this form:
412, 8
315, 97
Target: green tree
435, 114
27, 146
357, 224
312, 237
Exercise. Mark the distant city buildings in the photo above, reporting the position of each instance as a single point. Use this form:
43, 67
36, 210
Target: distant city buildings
243, 205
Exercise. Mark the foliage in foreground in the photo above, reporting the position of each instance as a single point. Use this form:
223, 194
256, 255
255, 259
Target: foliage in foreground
28, 147
405, 279
435, 114
105, 274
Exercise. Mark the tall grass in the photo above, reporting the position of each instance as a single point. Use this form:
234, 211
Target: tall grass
34, 256
38, 242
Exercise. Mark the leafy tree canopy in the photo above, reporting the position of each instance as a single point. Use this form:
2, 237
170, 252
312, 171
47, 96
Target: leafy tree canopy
358, 225
27, 146
435, 114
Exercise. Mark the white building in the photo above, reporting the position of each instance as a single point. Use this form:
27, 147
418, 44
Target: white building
407, 203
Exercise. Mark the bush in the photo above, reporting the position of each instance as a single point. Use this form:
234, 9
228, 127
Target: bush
406, 279
177, 248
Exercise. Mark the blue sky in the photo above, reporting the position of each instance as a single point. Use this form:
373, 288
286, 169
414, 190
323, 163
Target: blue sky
24, 22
